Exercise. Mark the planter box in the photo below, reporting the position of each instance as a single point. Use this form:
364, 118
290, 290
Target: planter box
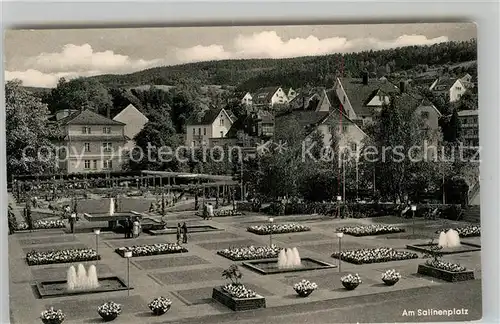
427, 270
238, 304
463, 248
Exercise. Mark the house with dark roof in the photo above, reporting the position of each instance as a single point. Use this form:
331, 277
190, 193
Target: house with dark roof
362, 100
453, 88
212, 124
315, 99
269, 97
90, 142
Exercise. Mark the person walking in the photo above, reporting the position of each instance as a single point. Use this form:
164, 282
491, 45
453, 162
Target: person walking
126, 227
130, 228
136, 228
184, 233
179, 231
72, 222
210, 211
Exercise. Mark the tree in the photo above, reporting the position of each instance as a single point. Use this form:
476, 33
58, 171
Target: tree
80, 93
452, 130
29, 150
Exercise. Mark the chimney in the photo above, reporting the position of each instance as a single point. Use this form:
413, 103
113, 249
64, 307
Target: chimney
365, 78
108, 112
402, 86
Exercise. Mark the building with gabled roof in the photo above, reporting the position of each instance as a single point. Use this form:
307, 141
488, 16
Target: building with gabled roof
90, 142
269, 97
134, 121
211, 124
453, 88
315, 99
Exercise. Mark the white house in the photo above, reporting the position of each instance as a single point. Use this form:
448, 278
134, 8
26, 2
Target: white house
247, 99
214, 123
134, 122
454, 88
270, 96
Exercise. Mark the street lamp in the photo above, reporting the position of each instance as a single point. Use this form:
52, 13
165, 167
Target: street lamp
339, 200
413, 209
340, 235
97, 231
271, 220
128, 255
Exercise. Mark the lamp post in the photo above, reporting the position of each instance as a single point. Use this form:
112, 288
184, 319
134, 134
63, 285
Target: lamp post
128, 255
340, 235
97, 231
413, 209
271, 220
339, 200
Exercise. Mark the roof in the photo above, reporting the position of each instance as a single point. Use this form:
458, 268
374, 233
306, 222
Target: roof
206, 118
99, 137
305, 118
444, 84
360, 94
88, 117
264, 95
243, 122
129, 107
464, 113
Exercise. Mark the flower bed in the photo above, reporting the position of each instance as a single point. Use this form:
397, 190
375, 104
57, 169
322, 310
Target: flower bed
42, 224
305, 288
109, 311
238, 291
238, 304
61, 256
390, 277
250, 253
350, 281
446, 271
151, 249
277, 229
224, 213
160, 305
363, 256
466, 231
51, 316
370, 230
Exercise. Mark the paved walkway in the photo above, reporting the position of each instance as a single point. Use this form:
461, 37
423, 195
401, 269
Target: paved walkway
188, 278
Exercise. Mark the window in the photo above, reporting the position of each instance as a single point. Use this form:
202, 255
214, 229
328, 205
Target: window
471, 120
221, 133
267, 129
107, 147
194, 131
199, 131
193, 143
87, 147
343, 100
354, 147
87, 164
95, 165
85, 130
107, 164
221, 120
106, 130
476, 132
344, 128
204, 131
458, 88
424, 114
474, 120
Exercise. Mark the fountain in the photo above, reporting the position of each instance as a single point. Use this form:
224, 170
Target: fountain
93, 282
450, 239
81, 277
289, 258
71, 278
111, 206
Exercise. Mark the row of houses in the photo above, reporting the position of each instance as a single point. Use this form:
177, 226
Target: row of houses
91, 140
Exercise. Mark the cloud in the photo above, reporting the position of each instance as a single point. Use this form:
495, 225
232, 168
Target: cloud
84, 58
269, 44
202, 53
73, 61
35, 78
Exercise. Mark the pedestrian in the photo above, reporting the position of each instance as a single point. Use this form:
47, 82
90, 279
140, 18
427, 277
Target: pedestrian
184, 233
179, 231
126, 227
205, 211
210, 208
130, 227
136, 228
72, 222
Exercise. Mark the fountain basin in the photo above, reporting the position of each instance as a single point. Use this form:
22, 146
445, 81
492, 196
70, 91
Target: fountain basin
463, 248
271, 266
59, 288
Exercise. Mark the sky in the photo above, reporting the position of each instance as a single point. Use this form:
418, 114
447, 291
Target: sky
40, 57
